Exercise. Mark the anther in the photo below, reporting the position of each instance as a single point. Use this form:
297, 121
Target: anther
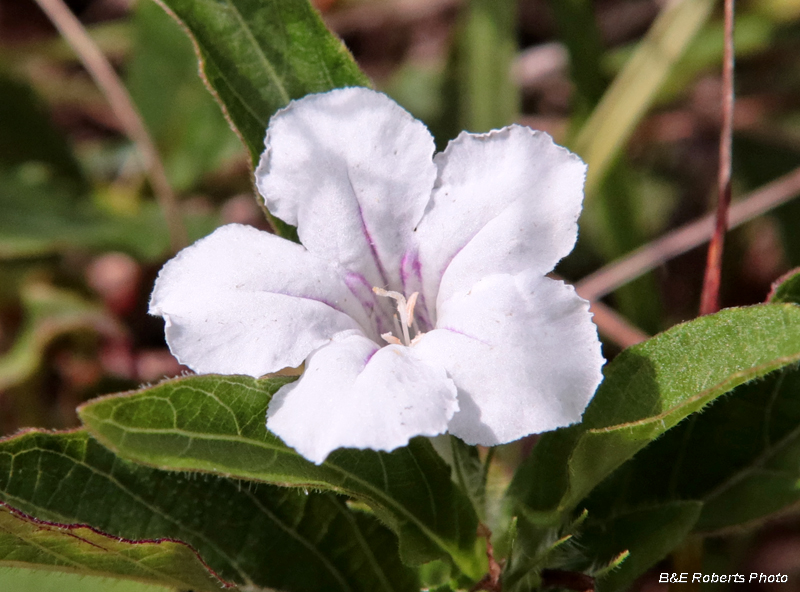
406, 311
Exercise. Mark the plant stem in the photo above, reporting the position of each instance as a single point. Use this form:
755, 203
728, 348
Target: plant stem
709, 299
646, 258
121, 104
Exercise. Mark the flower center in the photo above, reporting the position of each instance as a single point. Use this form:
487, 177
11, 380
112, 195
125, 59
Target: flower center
403, 320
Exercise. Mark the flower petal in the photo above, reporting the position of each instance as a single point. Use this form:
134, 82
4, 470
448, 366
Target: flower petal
353, 171
523, 353
354, 394
504, 202
242, 301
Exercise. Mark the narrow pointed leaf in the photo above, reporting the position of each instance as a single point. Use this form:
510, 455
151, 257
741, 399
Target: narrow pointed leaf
216, 424
252, 535
648, 389
257, 56
647, 532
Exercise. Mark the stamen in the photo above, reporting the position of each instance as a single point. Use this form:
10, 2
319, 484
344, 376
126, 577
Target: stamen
404, 309
389, 338
412, 302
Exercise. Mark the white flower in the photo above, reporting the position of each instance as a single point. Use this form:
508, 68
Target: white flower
491, 351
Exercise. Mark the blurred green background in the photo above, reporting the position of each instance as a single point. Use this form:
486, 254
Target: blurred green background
633, 86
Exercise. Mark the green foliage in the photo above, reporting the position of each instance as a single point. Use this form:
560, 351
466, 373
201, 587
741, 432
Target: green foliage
34, 580
788, 290
49, 313
41, 217
249, 534
257, 56
80, 549
482, 95
192, 135
647, 390
217, 424
579, 31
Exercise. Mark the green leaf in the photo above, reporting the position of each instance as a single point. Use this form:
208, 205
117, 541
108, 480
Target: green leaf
216, 424
636, 87
648, 389
470, 473
254, 535
579, 32
35, 580
737, 480
482, 94
257, 56
41, 217
648, 532
192, 135
25, 541
787, 288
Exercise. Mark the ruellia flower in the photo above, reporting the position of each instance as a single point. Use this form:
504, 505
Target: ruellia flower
417, 297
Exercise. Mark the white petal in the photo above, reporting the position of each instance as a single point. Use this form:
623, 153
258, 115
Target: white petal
242, 301
353, 171
523, 353
504, 202
356, 395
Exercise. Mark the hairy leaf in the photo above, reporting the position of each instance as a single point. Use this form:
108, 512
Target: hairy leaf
787, 288
26, 541
647, 390
20, 579
253, 535
257, 56
216, 424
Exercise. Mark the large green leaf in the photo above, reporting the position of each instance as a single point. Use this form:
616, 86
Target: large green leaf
20, 579
27, 541
648, 389
254, 535
257, 56
216, 424
736, 479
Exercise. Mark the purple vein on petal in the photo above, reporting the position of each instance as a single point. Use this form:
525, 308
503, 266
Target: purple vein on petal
333, 305
467, 335
368, 236
361, 289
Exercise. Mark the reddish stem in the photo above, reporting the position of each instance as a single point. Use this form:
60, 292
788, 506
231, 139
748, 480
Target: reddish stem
709, 300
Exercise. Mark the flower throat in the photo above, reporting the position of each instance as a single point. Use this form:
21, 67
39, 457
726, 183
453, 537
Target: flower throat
404, 320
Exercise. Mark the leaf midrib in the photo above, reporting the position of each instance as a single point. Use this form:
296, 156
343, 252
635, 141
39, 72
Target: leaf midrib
377, 493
